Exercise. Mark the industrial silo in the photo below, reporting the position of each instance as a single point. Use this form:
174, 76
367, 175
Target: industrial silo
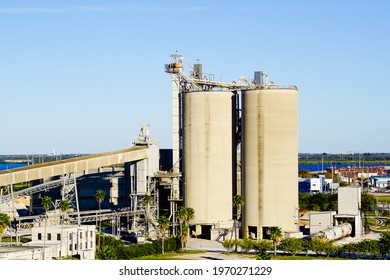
208, 157
269, 158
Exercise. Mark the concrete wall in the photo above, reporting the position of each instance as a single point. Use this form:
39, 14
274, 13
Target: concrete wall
321, 220
349, 199
24, 253
208, 156
66, 240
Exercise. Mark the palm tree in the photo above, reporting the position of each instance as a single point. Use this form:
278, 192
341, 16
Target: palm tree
190, 215
163, 225
276, 236
99, 195
46, 202
184, 215
184, 236
64, 206
4, 223
181, 214
238, 201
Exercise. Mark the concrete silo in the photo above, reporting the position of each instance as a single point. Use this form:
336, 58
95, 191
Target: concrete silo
208, 158
269, 158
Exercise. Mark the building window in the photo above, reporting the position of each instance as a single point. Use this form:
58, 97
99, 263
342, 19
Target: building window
86, 245
75, 246
39, 236
91, 244
91, 233
81, 246
58, 236
70, 247
81, 234
49, 236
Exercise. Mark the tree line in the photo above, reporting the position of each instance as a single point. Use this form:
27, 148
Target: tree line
328, 202
372, 249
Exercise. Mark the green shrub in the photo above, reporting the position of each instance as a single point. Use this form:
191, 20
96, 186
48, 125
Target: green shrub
292, 245
112, 249
263, 255
246, 244
261, 245
228, 244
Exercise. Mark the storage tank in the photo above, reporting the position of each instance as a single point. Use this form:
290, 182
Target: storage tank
208, 156
335, 233
269, 159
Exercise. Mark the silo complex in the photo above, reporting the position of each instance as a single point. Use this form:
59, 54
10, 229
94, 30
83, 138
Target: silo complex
208, 156
269, 158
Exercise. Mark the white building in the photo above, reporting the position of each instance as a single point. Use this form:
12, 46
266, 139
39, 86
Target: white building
311, 185
321, 220
379, 182
315, 185
349, 206
66, 240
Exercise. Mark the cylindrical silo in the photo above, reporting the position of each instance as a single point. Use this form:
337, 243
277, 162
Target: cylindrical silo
269, 160
208, 156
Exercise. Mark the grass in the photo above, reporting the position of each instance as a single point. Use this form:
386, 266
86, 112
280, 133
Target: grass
178, 256
370, 221
384, 228
383, 198
22, 239
291, 258
170, 255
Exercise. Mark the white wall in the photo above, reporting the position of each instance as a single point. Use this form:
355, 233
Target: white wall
66, 240
349, 200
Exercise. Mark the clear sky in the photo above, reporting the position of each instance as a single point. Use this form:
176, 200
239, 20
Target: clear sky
83, 76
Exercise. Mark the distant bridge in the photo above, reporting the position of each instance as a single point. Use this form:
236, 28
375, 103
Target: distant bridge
72, 165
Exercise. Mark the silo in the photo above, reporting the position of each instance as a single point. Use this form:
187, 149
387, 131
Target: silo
269, 160
208, 156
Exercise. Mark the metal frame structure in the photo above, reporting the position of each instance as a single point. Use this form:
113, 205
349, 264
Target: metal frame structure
144, 212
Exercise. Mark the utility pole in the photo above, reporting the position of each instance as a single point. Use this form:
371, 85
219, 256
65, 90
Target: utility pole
332, 180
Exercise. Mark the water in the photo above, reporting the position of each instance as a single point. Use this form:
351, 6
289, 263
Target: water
320, 167
8, 165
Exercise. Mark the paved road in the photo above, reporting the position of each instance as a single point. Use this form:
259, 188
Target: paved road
214, 251
372, 235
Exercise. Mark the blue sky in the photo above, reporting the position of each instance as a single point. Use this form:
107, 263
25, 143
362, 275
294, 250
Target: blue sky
83, 76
